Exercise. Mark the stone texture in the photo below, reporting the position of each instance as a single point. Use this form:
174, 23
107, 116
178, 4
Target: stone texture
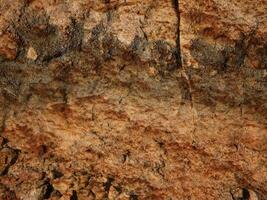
224, 33
108, 111
8, 47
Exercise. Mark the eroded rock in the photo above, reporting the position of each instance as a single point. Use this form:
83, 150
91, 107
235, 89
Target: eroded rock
107, 111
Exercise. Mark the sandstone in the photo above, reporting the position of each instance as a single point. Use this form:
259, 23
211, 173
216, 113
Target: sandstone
133, 100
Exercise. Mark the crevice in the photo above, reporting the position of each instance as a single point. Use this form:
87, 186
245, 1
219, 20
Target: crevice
74, 195
176, 6
107, 185
48, 190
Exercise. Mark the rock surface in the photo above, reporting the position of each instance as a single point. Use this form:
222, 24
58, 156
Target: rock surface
133, 99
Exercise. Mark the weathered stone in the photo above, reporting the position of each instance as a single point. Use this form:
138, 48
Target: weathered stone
108, 111
8, 48
218, 26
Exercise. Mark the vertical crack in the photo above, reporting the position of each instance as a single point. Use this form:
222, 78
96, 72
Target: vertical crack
176, 6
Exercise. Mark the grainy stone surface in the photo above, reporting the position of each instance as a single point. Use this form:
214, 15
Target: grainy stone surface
96, 104
224, 33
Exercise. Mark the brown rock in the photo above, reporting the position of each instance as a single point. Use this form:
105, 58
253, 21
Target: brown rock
8, 47
107, 111
226, 33
7, 158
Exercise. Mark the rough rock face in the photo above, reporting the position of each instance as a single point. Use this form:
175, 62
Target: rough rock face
224, 33
133, 99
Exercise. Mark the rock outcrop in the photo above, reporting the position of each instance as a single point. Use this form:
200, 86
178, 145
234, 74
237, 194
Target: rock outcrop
133, 99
